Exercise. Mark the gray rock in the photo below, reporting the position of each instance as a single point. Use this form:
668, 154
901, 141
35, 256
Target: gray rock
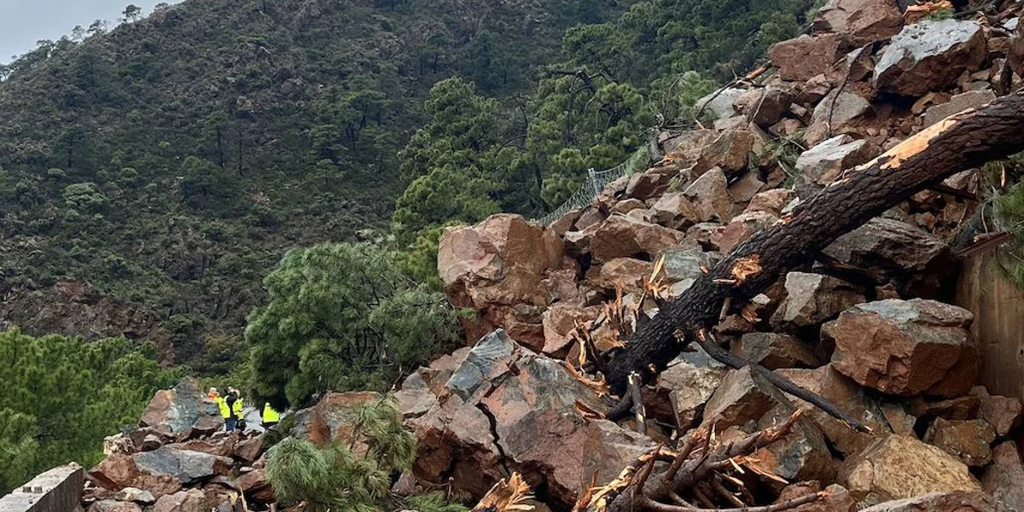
185, 465
958, 103
930, 55
774, 351
839, 108
690, 380
812, 299
890, 250
720, 105
823, 163
136, 495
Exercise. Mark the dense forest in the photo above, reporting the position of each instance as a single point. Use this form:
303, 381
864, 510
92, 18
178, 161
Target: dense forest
170, 161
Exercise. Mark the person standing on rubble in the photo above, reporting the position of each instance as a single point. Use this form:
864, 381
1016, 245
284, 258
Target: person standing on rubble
224, 407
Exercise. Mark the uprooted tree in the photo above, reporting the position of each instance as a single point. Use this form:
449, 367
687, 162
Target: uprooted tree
959, 142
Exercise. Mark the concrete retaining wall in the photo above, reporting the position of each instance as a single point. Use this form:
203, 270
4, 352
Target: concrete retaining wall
57, 490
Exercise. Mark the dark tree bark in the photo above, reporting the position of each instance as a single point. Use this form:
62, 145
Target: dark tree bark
959, 142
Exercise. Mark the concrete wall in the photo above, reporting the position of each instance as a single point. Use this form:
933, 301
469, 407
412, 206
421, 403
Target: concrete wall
57, 490
998, 328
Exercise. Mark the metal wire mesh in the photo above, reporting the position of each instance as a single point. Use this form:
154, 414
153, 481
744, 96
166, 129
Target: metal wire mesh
595, 183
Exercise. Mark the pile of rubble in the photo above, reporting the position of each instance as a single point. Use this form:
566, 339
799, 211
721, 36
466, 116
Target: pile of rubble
180, 459
863, 325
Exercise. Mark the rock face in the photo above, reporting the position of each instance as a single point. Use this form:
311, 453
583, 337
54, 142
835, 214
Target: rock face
900, 467
506, 406
864, 20
905, 348
930, 55
172, 411
496, 265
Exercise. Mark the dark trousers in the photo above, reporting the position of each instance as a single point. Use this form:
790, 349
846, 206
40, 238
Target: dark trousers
229, 424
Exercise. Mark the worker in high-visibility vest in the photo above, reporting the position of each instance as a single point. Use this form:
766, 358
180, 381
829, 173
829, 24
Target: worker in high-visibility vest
270, 416
225, 409
237, 405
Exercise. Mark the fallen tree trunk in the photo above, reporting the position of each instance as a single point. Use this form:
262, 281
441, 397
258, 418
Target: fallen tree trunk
959, 142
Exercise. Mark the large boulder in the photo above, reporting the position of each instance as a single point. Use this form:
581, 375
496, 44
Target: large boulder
495, 266
822, 164
893, 251
720, 103
508, 407
709, 196
900, 467
930, 55
184, 407
812, 299
850, 398
689, 381
865, 21
958, 103
774, 351
185, 465
625, 237
802, 58
730, 152
905, 348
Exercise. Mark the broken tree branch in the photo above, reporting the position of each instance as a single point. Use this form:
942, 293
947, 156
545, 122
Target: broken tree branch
958, 142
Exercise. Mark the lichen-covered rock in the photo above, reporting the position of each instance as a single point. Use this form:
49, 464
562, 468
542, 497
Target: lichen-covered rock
905, 348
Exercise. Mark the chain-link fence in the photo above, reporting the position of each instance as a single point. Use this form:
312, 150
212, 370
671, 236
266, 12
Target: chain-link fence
595, 183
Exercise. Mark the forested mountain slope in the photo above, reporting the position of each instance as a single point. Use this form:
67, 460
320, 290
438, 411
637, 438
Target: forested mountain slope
170, 161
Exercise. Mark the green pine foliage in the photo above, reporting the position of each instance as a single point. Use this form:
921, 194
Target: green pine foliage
62, 396
1009, 212
336, 478
340, 317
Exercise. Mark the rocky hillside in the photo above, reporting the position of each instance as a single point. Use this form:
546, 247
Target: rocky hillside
740, 417
154, 173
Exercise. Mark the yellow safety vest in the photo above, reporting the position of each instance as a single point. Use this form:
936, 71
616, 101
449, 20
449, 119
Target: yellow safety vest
269, 414
222, 404
237, 406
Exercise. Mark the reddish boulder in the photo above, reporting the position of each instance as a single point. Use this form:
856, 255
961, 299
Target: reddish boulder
256, 487
802, 58
620, 273
690, 381
771, 201
1002, 412
905, 348
560, 321
674, 210
730, 152
741, 397
250, 449
837, 499
116, 472
506, 406
709, 196
865, 21
967, 440
496, 265
624, 237
899, 467
850, 398
740, 229
333, 418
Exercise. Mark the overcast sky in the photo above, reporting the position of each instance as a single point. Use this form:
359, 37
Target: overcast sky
23, 22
